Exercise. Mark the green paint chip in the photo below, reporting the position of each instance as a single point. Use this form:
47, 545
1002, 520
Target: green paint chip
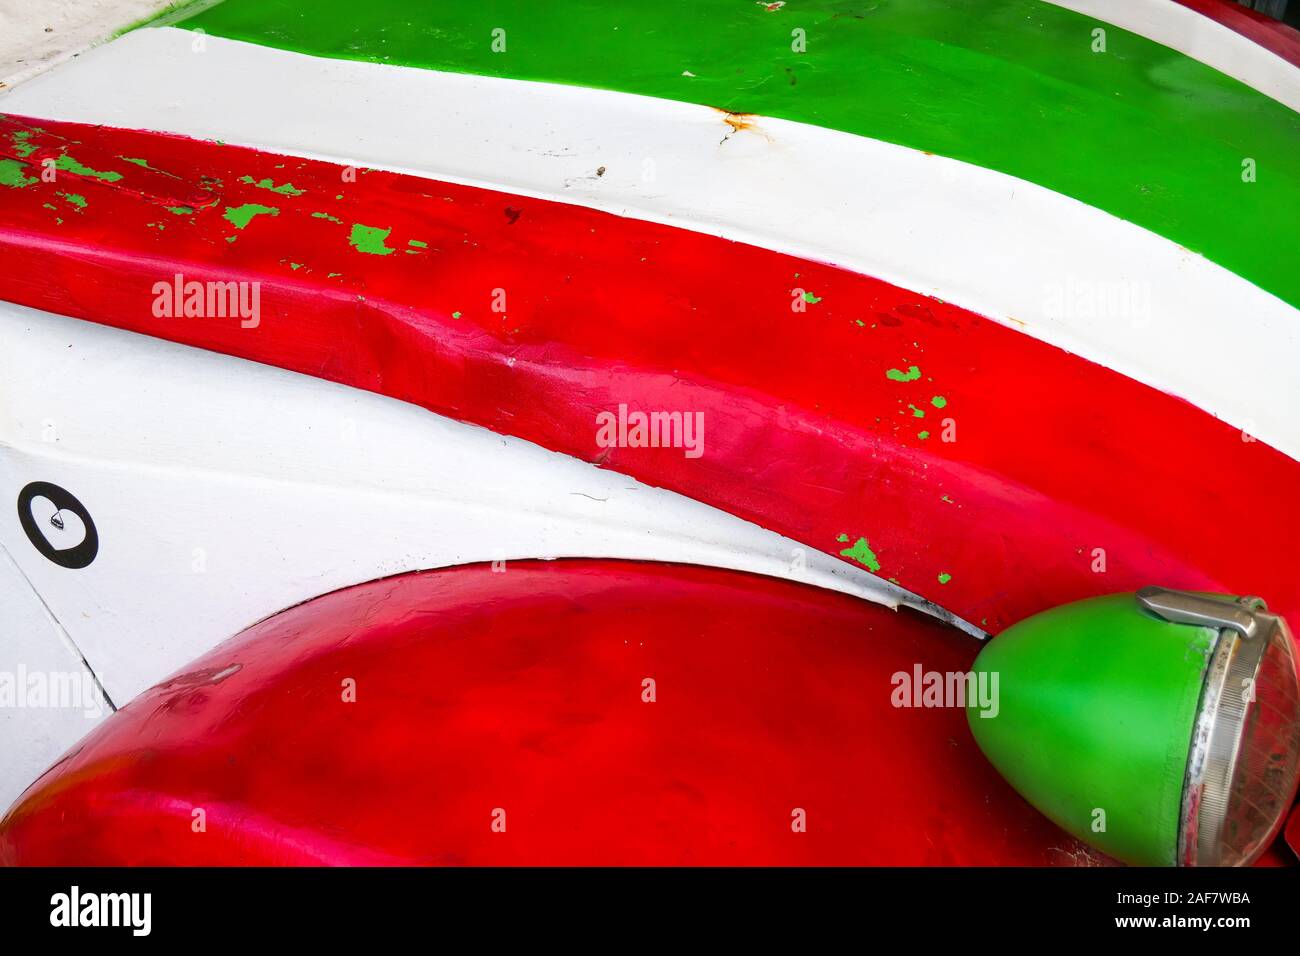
456, 315
923, 435
70, 165
325, 215
11, 174
269, 184
75, 199
861, 552
21, 146
811, 299
945, 577
939, 401
916, 412
241, 216
911, 375
417, 243
181, 210
370, 240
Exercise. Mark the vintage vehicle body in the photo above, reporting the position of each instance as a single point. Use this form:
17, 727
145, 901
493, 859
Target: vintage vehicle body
577, 433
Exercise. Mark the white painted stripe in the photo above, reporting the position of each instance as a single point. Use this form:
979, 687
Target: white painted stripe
224, 491
1201, 38
48, 698
1023, 255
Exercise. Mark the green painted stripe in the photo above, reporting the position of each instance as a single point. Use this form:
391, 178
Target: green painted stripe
1140, 130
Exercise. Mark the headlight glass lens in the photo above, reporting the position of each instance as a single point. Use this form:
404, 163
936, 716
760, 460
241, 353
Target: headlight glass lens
1267, 764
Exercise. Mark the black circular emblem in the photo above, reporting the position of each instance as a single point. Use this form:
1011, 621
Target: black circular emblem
58, 525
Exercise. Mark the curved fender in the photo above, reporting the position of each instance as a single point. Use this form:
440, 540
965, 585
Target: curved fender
567, 712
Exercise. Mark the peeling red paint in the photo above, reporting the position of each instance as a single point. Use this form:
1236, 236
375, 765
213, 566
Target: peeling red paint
1054, 457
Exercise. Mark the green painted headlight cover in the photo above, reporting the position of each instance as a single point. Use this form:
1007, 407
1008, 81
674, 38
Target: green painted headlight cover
1097, 702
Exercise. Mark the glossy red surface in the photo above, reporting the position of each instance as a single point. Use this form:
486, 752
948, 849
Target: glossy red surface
826, 414
523, 691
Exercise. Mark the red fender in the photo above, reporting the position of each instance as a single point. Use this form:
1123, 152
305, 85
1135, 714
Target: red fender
520, 697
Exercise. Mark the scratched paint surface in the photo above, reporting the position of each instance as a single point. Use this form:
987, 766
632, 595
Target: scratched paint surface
983, 474
1140, 130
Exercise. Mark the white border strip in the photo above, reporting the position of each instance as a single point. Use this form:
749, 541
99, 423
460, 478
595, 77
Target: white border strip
224, 491
49, 698
1201, 38
1041, 262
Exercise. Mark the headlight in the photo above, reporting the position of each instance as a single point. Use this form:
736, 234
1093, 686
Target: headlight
1162, 727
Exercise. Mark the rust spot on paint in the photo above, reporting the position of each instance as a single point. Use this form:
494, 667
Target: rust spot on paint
513, 215
737, 121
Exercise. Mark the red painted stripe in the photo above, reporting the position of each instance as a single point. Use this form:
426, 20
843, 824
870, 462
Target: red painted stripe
523, 691
806, 432
1271, 34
